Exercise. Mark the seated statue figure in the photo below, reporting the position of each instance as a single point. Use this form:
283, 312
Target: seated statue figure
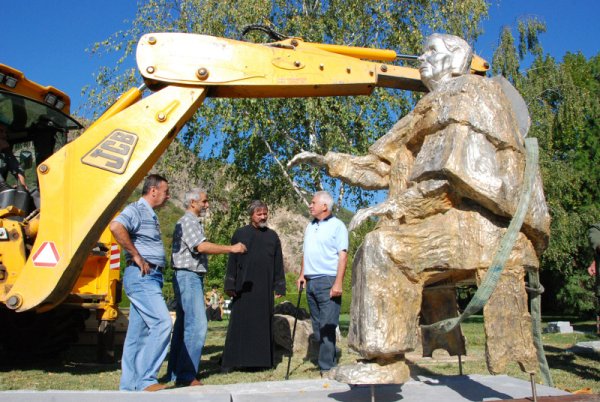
453, 168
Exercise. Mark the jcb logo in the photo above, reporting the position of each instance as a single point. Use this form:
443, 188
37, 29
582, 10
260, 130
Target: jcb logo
113, 152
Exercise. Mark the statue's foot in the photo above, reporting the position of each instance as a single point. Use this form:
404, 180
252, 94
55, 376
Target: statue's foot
394, 372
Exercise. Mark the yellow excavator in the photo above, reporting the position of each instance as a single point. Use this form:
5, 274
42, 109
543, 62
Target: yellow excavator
52, 255
34, 116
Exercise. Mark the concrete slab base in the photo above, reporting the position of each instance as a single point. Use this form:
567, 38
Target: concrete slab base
423, 389
586, 348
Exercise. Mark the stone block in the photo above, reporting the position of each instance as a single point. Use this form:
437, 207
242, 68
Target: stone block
561, 327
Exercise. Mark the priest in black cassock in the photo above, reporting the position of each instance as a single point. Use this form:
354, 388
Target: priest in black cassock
252, 279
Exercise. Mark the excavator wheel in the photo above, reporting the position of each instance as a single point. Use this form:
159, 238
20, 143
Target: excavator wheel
31, 336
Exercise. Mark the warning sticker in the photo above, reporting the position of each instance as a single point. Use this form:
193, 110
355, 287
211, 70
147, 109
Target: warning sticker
46, 255
115, 256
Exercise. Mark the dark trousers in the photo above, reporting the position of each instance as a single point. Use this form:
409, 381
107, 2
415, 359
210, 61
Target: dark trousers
325, 316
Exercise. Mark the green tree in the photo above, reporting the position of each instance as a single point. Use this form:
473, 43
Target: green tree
563, 105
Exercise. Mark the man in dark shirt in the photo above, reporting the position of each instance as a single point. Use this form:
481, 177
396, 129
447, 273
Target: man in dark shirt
252, 280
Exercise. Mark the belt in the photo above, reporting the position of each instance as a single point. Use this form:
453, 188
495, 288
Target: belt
152, 266
311, 277
189, 270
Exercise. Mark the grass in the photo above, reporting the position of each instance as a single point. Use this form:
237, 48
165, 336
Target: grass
76, 370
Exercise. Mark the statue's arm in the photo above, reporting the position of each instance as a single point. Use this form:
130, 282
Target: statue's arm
368, 171
419, 200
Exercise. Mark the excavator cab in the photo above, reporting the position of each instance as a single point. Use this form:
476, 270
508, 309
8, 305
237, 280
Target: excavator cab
27, 118
31, 117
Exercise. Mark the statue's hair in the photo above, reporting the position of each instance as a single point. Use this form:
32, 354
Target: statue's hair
461, 62
193, 194
326, 198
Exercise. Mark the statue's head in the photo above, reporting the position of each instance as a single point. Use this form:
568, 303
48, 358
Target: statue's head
444, 57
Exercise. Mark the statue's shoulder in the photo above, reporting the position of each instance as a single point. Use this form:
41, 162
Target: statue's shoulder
481, 103
469, 85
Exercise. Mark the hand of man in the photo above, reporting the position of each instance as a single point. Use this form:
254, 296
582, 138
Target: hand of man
592, 268
300, 282
143, 264
231, 293
238, 248
21, 179
336, 290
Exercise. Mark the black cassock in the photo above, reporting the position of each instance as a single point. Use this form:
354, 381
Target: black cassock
254, 276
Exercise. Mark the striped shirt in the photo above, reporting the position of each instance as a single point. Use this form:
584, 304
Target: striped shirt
142, 224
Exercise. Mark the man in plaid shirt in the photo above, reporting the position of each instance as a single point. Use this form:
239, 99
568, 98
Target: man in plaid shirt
190, 263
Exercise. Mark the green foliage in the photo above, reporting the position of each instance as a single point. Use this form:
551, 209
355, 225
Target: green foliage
564, 108
529, 31
505, 60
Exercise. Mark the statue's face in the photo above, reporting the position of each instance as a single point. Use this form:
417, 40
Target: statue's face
436, 63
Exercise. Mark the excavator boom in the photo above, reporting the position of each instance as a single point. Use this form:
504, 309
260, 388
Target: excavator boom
290, 68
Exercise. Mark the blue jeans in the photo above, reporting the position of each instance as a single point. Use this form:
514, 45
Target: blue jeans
325, 316
148, 331
190, 329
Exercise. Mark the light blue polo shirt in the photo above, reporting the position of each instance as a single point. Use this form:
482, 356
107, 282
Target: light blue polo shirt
144, 230
323, 242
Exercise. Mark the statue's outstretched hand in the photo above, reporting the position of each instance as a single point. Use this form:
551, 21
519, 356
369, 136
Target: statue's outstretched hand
389, 208
307, 157
361, 216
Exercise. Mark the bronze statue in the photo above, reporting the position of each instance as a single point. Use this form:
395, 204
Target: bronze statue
454, 169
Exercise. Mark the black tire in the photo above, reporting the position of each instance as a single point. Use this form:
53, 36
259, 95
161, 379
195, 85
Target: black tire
30, 335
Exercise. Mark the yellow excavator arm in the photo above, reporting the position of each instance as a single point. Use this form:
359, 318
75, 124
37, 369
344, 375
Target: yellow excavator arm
86, 182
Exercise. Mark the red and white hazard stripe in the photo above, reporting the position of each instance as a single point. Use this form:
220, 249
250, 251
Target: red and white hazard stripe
115, 256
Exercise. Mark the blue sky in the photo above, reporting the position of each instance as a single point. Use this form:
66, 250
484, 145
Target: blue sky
47, 40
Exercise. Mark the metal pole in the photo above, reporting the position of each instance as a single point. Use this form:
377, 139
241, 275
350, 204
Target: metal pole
372, 393
533, 387
287, 373
460, 370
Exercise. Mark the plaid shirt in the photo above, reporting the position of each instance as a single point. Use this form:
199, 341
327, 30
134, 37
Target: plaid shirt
188, 234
